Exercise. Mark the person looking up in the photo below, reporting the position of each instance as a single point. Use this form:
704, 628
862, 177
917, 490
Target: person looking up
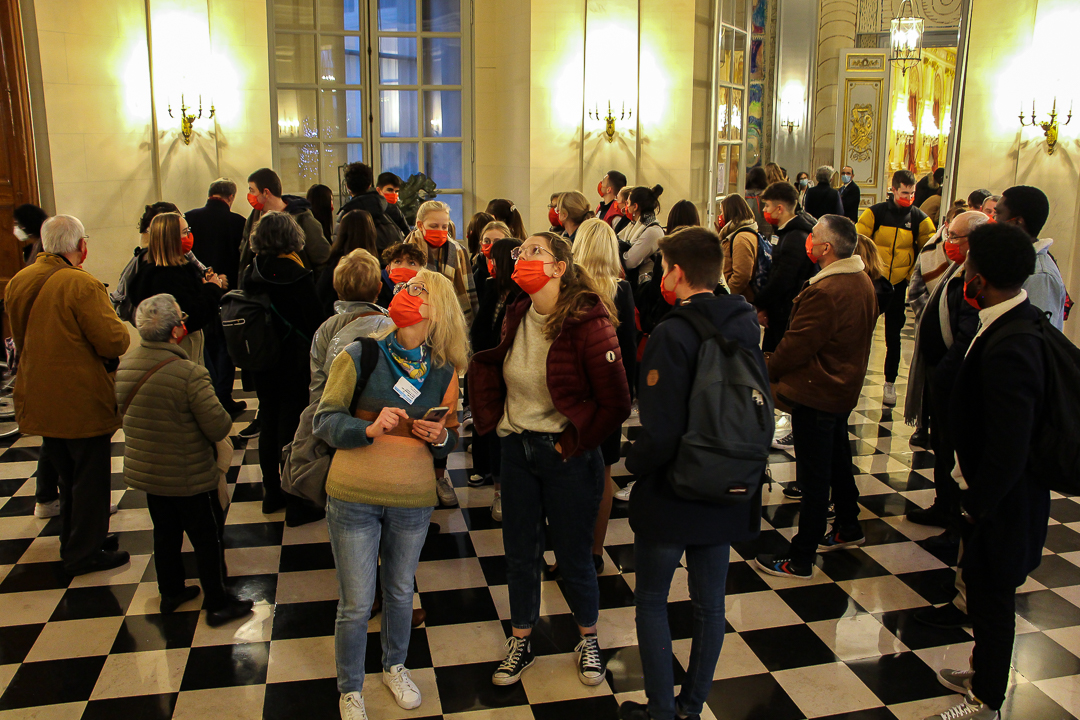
506, 211
363, 196
489, 234
850, 193
573, 210
739, 245
444, 254
644, 235
477, 223
265, 196
900, 231
321, 199
554, 225
400, 263
823, 199
609, 187
389, 187
1028, 208
356, 231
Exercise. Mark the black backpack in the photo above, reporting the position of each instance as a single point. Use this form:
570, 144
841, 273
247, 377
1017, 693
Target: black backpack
247, 321
1054, 460
724, 454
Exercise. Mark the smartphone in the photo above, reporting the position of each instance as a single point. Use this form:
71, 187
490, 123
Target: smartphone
435, 414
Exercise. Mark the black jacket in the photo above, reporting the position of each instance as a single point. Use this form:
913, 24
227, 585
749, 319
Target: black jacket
292, 291
822, 199
923, 190
486, 330
387, 231
666, 376
200, 300
480, 276
218, 231
964, 323
996, 407
394, 213
850, 195
627, 332
791, 268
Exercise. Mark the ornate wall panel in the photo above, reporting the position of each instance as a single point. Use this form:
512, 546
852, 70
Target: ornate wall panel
862, 119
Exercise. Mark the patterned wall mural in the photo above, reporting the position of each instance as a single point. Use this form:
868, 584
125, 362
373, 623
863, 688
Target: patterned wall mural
760, 75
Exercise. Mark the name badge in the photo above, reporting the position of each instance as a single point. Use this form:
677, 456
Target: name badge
405, 389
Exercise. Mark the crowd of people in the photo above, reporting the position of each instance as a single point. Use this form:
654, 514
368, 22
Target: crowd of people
361, 330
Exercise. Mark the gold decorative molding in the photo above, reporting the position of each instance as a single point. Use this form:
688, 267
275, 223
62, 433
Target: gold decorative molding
866, 63
861, 136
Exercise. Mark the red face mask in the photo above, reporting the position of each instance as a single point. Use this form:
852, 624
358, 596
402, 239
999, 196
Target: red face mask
486, 249
904, 201
972, 300
553, 217
253, 200
405, 309
669, 295
954, 253
769, 217
530, 275
600, 188
187, 242
491, 267
720, 221
391, 197
435, 237
810, 248
183, 332
401, 274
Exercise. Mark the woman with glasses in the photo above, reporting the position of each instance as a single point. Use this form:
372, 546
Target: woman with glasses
553, 389
164, 268
381, 484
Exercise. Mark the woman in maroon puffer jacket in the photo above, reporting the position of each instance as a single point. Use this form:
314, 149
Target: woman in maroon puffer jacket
553, 389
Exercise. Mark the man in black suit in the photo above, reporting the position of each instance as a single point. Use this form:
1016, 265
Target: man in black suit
996, 411
822, 199
217, 231
850, 194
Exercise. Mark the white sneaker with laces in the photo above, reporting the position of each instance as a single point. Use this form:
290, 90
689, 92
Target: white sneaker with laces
401, 684
970, 709
958, 680
496, 507
624, 494
47, 510
783, 425
888, 394
445, 489
351, 707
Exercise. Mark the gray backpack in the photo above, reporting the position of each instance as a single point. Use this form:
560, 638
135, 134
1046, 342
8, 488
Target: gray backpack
724, 453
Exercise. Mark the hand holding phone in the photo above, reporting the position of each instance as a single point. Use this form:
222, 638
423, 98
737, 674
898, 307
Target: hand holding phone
431, 428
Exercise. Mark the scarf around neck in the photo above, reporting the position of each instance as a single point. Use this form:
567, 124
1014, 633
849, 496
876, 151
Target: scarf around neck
413, 365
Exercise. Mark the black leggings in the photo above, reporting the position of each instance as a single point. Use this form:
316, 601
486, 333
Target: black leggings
895, 317
283, 395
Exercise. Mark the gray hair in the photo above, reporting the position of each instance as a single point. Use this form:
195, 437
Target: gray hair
969, 220
61, 234
276, 233
841, 232
223, 187
824, 174
993, 198
156, 317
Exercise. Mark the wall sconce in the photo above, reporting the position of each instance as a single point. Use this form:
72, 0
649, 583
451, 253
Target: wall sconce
901, 123
187, 122
1050, 127
791, 125
906, 38
609, 121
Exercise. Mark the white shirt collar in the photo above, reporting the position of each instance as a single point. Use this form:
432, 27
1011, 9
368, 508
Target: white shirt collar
988, 316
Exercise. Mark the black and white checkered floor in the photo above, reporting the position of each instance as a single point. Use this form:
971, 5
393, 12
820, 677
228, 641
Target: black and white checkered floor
842, 646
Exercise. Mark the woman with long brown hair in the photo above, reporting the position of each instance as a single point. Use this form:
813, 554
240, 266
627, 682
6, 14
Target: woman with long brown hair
553, 390
739, 243
356, 231
506, 211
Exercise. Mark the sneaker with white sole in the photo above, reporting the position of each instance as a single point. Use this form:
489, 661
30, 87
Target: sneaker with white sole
837, 540
624, 493
590, 667
402, 686
351, 707
970, 709
445, 489
113, 508
784, 443
47, 510
888, 394
496, 507
958, 680
519, 655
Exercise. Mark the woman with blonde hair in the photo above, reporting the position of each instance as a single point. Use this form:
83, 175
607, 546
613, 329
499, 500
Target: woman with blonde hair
597, 251
774, 173
573, 209
434, 235
552, 389
739, 243
381, 486
164, 268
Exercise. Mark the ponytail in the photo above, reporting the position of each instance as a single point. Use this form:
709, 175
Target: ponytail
647, 199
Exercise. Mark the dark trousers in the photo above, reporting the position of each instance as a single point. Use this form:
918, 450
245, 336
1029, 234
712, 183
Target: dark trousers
946, 491
218, 363
486, 452
84, 470
201, 517
895, 317
48, 480
282, 398
992, 609
822, 461
707, 568
774, 333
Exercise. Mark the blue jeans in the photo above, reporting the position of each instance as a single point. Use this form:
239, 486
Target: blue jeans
359, 533
822, 462
707, 566
538, 483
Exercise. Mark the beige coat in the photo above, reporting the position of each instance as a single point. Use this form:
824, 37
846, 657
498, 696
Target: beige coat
63, 389
172, 423
739, 243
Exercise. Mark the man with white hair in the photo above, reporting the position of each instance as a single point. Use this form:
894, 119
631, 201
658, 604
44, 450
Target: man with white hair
69, 339
823, 199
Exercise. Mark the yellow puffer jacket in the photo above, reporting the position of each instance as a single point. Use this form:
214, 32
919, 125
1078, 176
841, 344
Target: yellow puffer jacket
899, 233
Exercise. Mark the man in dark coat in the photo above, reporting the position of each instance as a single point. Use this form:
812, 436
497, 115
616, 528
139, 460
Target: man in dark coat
823, 199
850, 193
997, 403
363, 196
217, 232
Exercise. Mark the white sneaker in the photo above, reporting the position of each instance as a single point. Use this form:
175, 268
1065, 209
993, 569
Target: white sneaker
496, 507
783, 425
113, 507
958, 680
970, 709
888, 395
351, 707
624, 494
400, 683
47, 510
445, 488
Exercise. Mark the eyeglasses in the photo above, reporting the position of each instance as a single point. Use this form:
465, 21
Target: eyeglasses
533, 252
185, 231
415, 289
953, 237
183, 316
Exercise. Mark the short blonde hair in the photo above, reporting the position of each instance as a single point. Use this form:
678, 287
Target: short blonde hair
597, 250
424, 210
448, 336
358, 276
576, 206
165, 249
497, 225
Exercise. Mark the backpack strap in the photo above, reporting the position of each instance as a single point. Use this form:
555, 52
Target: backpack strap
705, 329
1019, 326
142, 381
369, 358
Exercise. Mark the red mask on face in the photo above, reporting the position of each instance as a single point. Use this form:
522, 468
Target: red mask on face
669, 295
904, 201
405, 309
553, 218
769, 217
810, 249
183, 332
253, 200
491, 267
973, 301
530, 275
401, 274
187, 242
435, 237
954, 253
486, 249
391, 197
720, 221
600, 188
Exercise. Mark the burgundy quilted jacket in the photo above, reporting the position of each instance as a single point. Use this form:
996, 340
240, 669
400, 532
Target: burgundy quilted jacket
585, 377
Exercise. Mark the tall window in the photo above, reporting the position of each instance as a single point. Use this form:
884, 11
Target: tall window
733, 45
384, 82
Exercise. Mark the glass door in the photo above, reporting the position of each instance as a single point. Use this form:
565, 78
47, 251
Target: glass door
731, 76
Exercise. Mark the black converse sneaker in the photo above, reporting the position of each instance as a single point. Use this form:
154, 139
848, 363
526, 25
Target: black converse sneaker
590, 668
519, 655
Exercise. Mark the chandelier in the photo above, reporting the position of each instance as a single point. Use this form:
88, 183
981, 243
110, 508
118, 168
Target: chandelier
906, 37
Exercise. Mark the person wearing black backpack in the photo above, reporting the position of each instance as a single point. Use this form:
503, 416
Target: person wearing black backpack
665, 524
998, 410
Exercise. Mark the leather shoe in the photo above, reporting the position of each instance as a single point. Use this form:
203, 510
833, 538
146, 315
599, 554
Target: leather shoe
273, 500
169, 603
112, 543
101, 560
233, 609
946, 617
